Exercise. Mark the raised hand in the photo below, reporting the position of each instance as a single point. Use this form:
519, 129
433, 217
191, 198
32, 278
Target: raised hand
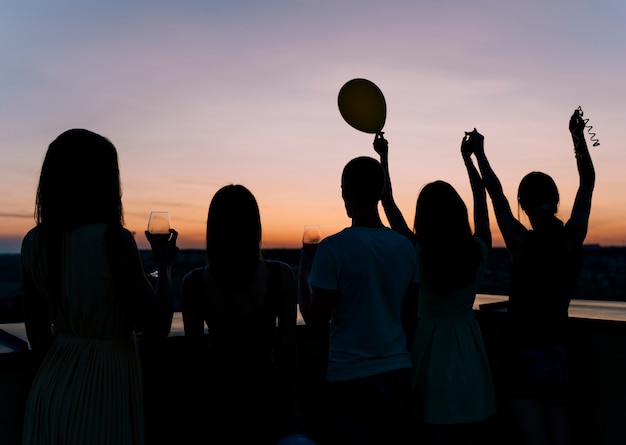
466, 150
161, 249
381, 146
473, 142
576, 121
577, 126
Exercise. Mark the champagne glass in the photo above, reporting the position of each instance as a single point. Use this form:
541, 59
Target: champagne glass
159, 226
311, 237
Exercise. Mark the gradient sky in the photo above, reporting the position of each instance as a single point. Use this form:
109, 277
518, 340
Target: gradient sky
199, 94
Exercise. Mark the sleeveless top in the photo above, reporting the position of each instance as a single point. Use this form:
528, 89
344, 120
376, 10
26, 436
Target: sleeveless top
241, 340
245, 399
542, 283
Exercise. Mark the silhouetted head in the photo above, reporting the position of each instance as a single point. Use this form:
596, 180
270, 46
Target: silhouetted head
538, 195
440, 212
79, 182
233, 236
363, 180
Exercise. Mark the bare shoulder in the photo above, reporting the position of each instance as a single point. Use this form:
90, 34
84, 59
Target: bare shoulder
29, 242
31, 233
187, 290
187, 278
286, 272
288, 290
123, 238
287, 276
124, 251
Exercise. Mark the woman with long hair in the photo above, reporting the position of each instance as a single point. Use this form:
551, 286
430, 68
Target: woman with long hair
85, 293
452, 377
545, 263
248, 305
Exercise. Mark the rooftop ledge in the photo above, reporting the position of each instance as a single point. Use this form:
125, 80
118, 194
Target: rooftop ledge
13, 335
598, 364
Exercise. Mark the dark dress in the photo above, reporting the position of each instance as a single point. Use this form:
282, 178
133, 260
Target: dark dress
542, 283
451, 371
242, 392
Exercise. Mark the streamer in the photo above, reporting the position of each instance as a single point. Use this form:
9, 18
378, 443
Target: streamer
592, 135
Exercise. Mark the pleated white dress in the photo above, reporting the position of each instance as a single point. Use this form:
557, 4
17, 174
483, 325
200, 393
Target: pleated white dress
88, 389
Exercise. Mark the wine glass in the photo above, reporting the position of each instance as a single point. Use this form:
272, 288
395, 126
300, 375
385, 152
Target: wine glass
311, 237
159, 226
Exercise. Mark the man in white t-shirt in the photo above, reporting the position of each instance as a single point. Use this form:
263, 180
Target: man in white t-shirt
364, 281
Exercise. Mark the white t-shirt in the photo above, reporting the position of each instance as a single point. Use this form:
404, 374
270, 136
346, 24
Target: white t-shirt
371, 268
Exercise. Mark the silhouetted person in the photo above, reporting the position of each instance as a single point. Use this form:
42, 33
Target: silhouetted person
85, 291
545, 263
451, 372
249, 306
363, 284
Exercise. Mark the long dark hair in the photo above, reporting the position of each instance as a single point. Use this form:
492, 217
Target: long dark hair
450, 253
79, 184
233, 236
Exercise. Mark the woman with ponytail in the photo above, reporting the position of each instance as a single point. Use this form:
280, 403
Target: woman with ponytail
545, 263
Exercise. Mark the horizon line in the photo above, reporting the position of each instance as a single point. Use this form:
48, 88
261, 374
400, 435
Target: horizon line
587, 246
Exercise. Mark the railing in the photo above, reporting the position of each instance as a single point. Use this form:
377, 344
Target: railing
598, 359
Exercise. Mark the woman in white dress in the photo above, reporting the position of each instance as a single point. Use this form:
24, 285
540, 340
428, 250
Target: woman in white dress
85, 292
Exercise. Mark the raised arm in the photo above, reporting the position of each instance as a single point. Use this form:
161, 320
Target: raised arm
579, 219
393, 213
481, 213
512, 230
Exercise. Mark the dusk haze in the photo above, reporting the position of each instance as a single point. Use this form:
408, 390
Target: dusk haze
198, 95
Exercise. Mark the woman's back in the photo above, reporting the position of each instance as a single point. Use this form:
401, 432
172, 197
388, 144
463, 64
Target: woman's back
245, 376
88, 389
87, 305
243, 339
543, 278
437, 304
451, 371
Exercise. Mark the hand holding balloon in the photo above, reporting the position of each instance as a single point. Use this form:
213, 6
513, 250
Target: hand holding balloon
381, 146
